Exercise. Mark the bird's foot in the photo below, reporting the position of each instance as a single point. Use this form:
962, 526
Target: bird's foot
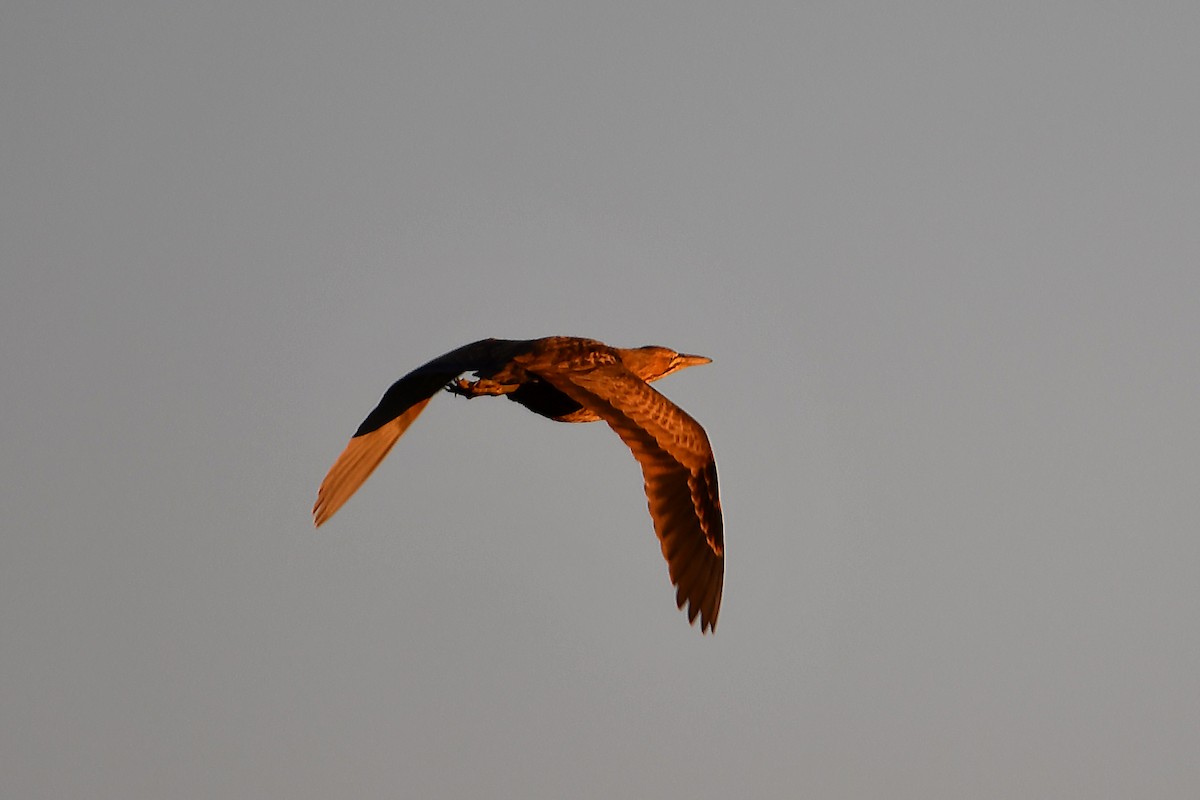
483, 386
460, 387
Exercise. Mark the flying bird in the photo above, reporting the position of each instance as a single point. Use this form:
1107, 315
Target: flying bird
569, 379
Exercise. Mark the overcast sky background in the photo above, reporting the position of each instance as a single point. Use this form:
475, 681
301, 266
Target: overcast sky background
946, 259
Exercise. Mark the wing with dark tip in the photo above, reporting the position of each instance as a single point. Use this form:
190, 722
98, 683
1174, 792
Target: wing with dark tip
401, 404
680, 473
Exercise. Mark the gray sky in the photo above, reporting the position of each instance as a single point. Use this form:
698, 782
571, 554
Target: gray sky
944, 256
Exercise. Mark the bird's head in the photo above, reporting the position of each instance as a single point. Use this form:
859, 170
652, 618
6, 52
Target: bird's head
653, 362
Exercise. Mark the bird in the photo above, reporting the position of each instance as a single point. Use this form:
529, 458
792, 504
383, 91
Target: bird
572, 379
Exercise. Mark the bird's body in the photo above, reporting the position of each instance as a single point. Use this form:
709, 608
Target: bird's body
570, 379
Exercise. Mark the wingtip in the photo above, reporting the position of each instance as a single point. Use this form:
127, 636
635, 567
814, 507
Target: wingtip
708, 624
697, 609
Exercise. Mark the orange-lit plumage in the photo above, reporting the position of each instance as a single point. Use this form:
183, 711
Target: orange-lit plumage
570, 379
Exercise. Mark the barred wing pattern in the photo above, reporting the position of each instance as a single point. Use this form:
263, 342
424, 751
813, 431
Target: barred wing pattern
680, 474
572, 379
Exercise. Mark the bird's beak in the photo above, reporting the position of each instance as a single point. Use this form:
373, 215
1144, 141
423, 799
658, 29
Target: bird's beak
686, 360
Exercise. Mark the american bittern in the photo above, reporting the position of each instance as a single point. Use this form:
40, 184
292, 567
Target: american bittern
576, 380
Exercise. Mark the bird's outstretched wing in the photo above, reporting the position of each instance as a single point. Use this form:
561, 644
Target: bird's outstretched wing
680, 473
401, 404
359, 459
